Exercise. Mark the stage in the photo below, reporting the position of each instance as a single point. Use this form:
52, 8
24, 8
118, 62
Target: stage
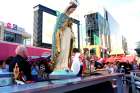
66, 85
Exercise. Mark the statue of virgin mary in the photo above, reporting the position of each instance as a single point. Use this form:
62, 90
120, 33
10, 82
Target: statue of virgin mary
63, 39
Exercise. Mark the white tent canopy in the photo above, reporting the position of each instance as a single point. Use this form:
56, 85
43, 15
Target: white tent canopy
117, 51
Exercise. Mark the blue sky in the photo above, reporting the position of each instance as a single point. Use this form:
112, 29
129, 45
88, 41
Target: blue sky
125, 12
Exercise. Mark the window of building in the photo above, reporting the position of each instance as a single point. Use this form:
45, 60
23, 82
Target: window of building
26, 41
8, 36
18, 38
93, 51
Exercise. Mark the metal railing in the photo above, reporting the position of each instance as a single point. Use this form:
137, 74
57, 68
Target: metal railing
133, 81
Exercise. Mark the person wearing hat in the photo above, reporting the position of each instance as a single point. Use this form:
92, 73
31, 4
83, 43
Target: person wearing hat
63, 39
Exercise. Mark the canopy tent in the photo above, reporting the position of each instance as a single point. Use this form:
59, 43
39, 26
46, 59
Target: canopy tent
110, 59
101, 60
117, 52
127, 58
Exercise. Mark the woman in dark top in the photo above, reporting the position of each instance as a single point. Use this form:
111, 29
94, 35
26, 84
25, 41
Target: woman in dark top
19, 61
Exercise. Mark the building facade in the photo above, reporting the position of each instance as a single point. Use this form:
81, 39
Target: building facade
42, 33
118, 41
98, 34
124, 45
13, 33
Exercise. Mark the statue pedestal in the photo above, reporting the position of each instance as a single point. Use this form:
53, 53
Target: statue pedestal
62, 74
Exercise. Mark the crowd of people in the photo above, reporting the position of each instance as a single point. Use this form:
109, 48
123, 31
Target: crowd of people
81, 63
64, 57
111, 67
121, 67
24, 69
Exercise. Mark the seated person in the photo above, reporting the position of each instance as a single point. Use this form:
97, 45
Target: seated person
77, 65
19, 61
98, 65
5, 65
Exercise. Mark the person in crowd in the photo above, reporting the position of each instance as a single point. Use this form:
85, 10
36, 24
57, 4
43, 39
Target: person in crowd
19, 66
82, 62
115, 67
77, 64
134, 65
97, 64
123, 67
128, 66
92, 63
109, 68
6, 63
86, 63
86, 53
63, 39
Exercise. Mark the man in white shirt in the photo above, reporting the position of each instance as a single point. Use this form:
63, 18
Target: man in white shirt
77, 64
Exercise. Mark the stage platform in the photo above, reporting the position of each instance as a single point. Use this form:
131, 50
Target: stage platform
66, 85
